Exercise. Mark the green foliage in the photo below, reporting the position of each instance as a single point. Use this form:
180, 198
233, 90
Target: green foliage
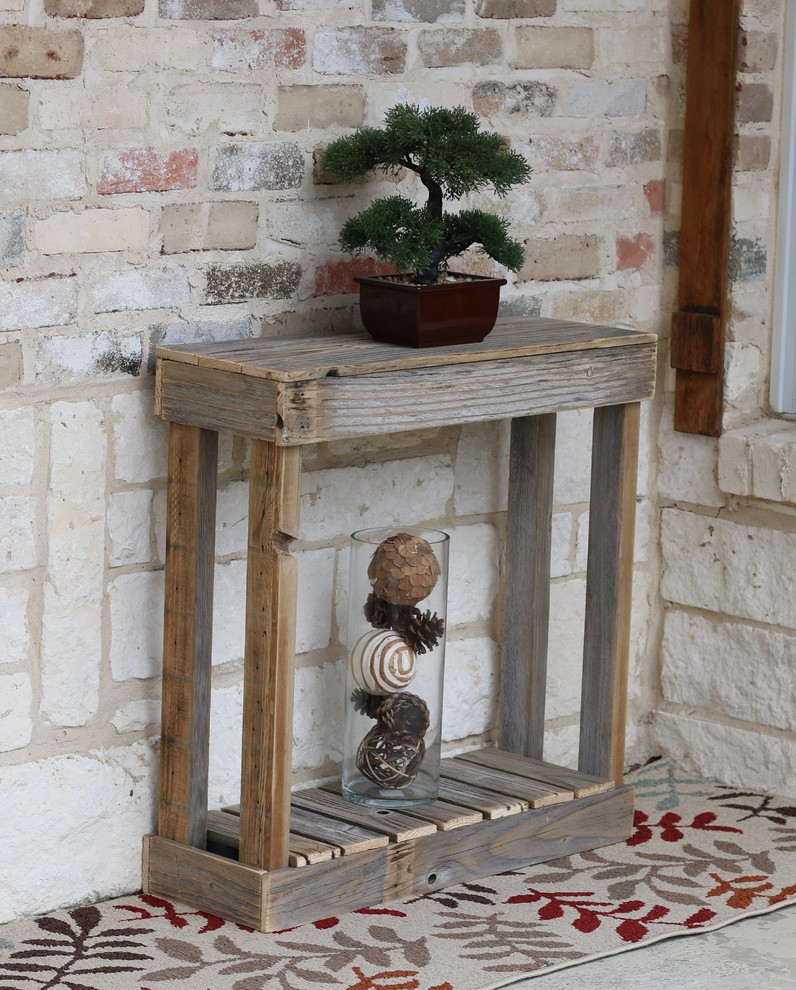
452, 158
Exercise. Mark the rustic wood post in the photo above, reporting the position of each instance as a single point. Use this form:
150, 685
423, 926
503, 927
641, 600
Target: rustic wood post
699, 326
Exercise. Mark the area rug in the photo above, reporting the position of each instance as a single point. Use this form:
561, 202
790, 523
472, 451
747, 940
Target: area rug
701, 856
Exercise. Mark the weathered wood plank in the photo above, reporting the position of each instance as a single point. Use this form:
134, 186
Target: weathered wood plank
397, 825
446, 858
336, 408
343, 355
560, 778
274, 488
609, 577
534, 794
527, 583
212, 883
224, 827
188, 631
346, 836
490, 804
441, 813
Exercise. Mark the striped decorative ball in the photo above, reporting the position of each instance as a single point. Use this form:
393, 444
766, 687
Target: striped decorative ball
382, 662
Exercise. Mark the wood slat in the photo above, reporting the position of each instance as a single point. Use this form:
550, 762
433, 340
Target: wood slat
268, 678
491, 805
534, 794
609, 574
187, 633
560, 778
444, 815
399, 827
527, 583
224, 827
346, 836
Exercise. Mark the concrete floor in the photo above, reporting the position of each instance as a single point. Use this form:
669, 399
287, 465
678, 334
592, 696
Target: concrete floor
756, 954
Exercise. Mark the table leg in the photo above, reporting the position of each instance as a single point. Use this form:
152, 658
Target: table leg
530, 514
609, 576
188, 628
271, 587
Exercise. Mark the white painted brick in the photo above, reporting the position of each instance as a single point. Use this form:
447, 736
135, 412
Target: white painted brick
41, 175
128, 48
318, 718
149, 288
738, 670
725, 566
471, 688
13, 225
735, 462
294, 224
137, 715
136, 605
71, 650
565, 647
473, 573
687, 465
17, 428
582, 544
601, 98
43, 302
749, 204
743, 377
16, 699
93, 231
100, 108
140, 438
18, 526
337, 501
229, 610
87, 832
573, 457
561, 544
562, 745
482, 464
314, 606
737, 756
226, 720
14, 632
232, 518
67, 360
129, 528
229, 107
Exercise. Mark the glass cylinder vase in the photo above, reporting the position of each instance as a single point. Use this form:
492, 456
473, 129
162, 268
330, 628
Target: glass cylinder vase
397, 597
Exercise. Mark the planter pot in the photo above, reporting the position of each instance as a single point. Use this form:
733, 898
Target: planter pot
462, 311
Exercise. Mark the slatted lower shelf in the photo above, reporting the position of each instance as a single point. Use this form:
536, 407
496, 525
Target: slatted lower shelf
496, 811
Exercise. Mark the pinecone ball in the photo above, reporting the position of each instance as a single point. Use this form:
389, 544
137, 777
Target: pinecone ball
403, 715
388, 760
404, 569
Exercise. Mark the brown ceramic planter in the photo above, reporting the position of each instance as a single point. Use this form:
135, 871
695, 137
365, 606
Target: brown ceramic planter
460, 312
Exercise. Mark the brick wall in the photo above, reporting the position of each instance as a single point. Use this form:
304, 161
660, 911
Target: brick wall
728, 694
159, 182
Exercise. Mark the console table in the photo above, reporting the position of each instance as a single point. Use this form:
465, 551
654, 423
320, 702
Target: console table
277, 859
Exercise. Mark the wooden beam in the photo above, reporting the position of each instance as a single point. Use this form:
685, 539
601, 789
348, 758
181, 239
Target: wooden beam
187, 636
705, 225
271, 588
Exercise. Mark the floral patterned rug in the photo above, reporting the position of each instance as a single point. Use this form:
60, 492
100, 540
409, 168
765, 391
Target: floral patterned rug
701, 856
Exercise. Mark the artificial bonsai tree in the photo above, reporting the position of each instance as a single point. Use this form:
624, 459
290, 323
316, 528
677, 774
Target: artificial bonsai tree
452, 157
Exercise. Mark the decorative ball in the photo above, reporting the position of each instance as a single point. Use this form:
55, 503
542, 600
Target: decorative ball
388, 760
382, 662
404, 715
404, 569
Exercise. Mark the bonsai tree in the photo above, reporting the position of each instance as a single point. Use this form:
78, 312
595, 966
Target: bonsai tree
451, 157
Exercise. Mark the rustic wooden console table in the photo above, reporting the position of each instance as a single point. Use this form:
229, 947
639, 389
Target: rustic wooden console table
291, 861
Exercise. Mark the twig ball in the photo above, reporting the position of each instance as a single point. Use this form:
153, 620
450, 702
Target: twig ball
388, 760
404, 569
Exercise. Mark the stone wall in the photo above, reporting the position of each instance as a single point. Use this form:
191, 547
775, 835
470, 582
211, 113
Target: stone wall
160, 183
728, 528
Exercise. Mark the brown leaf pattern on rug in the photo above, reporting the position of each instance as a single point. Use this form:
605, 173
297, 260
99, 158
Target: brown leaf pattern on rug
701, 855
